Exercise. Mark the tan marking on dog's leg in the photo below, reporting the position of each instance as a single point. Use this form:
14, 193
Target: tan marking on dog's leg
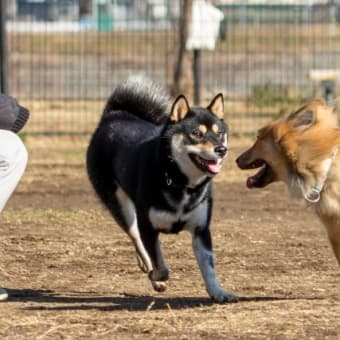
129, 213
141, 252
141, 263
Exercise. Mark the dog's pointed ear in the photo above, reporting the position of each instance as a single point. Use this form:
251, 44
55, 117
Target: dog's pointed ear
216, 106
179, 109
303, 118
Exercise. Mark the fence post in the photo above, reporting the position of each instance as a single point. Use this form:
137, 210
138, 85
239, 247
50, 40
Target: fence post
186, 12
3, 48
197, 76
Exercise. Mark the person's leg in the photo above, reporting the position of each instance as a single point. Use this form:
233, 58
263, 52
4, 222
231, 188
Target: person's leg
3, 294
13, 160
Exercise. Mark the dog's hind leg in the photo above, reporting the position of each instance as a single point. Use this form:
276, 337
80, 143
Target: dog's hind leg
128, 221
149, 255
141, 263
143, 259
160, 273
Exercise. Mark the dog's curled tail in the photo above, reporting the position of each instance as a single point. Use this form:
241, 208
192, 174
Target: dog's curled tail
141, 97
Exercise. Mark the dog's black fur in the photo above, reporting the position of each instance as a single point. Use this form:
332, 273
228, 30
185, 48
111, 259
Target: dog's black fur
153, 171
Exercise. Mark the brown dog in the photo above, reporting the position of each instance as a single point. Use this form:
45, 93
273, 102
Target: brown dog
302, 151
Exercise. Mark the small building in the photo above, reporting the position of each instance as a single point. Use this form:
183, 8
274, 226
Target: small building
47, 10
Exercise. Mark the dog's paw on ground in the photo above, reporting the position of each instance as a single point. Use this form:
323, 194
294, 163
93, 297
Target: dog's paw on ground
159, 286
222, 296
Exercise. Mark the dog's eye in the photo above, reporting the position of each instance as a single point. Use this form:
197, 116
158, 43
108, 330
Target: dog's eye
220, 134
197, 133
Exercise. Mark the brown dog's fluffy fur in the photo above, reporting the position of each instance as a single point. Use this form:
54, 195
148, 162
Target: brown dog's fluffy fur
302, 151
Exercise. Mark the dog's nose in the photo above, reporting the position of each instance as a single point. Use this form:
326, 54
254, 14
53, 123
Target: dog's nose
221, 150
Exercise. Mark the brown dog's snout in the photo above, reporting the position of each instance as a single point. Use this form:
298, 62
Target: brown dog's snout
243, 160
239, 161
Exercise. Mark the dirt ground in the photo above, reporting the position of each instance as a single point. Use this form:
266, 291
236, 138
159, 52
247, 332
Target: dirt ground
72, 274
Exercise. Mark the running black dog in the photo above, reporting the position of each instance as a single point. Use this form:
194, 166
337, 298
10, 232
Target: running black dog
153, 170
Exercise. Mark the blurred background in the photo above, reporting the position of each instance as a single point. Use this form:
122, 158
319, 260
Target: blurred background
62, 59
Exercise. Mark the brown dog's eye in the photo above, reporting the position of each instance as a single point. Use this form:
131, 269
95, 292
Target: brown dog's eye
197, 133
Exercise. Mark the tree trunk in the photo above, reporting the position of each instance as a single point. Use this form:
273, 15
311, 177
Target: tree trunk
85, 8
186, 11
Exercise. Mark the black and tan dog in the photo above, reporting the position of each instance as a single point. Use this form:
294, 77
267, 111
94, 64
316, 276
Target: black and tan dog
153, 171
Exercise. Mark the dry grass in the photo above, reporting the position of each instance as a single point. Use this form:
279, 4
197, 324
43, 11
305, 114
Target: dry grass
72, 273
83, 116
126, 43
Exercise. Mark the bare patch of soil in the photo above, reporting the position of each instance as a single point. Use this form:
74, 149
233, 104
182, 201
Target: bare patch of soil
72, 273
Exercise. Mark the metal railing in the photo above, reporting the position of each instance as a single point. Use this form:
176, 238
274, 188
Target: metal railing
65, 69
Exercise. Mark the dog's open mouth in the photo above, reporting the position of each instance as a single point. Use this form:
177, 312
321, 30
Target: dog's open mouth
206, 165
263, 177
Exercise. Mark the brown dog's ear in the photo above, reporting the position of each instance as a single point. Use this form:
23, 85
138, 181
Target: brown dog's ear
180, 109
216, 106
278, 131
303, 118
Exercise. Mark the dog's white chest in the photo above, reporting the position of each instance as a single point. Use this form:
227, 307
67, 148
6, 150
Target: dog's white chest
163, 220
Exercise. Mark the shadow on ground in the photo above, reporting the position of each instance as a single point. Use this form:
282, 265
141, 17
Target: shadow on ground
91, 300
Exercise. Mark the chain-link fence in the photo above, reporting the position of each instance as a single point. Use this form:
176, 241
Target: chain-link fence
63, 63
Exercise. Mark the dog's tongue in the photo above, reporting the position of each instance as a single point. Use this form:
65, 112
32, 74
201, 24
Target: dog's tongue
253, 181
213, 166
250, 182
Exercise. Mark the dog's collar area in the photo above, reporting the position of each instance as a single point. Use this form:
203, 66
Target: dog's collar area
173, 177
313, 196
168, 179
171, 183
175, 180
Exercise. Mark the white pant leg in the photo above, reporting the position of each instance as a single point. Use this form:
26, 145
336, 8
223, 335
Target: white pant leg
13, 160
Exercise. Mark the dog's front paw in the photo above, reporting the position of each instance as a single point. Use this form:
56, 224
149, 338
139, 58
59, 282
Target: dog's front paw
159, 286
222, 296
